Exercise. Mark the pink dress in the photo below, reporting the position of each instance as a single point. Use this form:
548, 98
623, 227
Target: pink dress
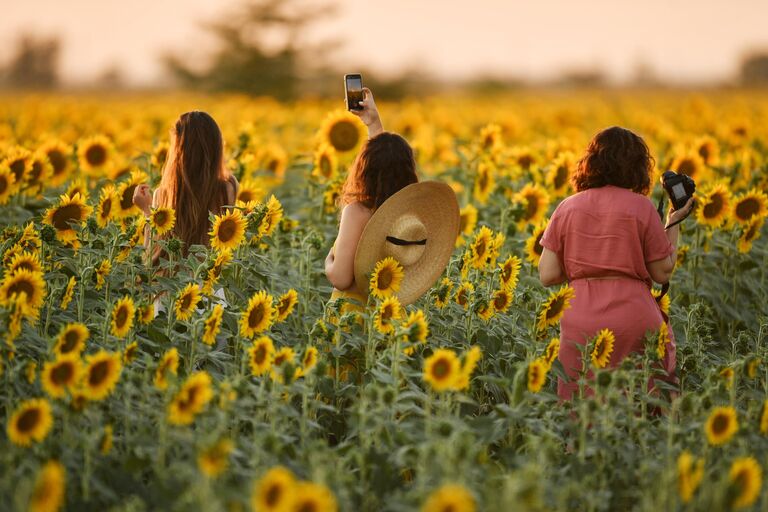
599, 232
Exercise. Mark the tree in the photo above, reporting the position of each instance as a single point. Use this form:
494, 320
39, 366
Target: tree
261, 51
35, 63
754, 69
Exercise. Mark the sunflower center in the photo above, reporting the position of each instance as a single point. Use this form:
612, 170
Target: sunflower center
531, 206
71, 338
98, 373
705, 152
62, 373
344, 136
483, 180
121, 316
66, 214
461, 298
325, 166
714, 206
687, 166
96, 155
3, 184
441, 369
500, 301
35, 171
525, 161
747, 208
189, 400
28, 420
227, 230
256, 316
555, 307
161, 218
480, 248
720, 424
17, 168
260, 355
600, 348
386, 313
273, 495
126, 200
58, 161
21, 286
282, 306
561, 176
186, 301
384, 279
106, 207
308, 506
245, 196
280, 359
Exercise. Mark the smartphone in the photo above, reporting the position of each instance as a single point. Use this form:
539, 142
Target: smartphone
353, 88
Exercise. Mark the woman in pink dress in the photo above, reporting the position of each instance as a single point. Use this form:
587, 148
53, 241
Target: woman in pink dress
608, 242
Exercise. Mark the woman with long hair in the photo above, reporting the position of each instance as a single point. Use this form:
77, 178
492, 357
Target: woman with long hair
384, 166
608, 242
194, 181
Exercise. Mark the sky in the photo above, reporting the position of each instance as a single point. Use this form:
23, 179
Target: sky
681, 40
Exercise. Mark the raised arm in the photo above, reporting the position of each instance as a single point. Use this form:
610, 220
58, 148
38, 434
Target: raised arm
369, 114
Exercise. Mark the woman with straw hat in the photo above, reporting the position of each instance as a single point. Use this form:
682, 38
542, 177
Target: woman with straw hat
388, 213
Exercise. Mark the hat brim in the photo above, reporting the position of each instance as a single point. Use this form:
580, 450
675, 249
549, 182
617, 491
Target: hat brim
435, 205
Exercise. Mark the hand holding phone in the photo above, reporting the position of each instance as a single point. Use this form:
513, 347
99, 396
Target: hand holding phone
353, 89
366, 110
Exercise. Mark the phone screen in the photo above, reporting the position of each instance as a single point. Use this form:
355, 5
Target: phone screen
354, 92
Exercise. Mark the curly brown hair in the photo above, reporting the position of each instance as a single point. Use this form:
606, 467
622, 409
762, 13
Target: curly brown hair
384, 166
615, 156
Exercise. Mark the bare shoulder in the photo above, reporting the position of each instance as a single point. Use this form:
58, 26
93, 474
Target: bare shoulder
356, 212
156, 195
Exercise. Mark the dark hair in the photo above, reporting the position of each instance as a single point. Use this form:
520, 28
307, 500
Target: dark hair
615, 156
384, 166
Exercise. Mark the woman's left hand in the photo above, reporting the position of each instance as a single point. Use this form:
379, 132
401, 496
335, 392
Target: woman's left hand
369, 114
676, 215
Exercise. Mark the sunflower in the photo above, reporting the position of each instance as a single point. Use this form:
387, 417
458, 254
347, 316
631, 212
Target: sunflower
331, 195
258, 316
31, 421
751, 367
60, 375
537, 374
467, 223
481, 247
450, 498
71, 339
721, 425
101, 374
559, 174
485, 310
168, 365
273, 159
663, 302
212, 325
273, 216
714, 205
191, 399
70, 210
309, 496
764, 418
105, 444
691, 164
443, 292
727, 374
749, 205
285, 305
125, 207
162, 220
105, 210
8, 185
442, 370
484, 182
250, 192
662, 340
750, 232
551, 352
40, 170
130, 352
160, 154
386, 278
471, 358
602, 348
94, 154
555, 306
261, 355
102, 271
708, 149
343, 131
122, 317
58, 154
501, 300
416, 327
536, 201
464, 294
274, 490
214, 271
282, 356
533, 247
213, 460
326, 163
50, 486
146, 313
309, 360
228, 230
746, 478
510, 270
23, 284
18, 161
25, 260
389, 311
186, 301
690, 471
78, 186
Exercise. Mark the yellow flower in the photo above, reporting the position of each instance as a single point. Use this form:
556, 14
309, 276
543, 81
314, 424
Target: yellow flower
191, 399
102, 271
326, 163
284, 355
689, 474
752, 365
416, 327
101, 374
551, 352
750, 232
484, 182
714, 205
555, 306
749, 206
309, 360
162, 220
228, 231
28, 287
536, 201
485, 310
94, 154
49, 490
130, 352
122, 317
603, 348
690, 163
501, 300
764, 419
146, 313
537, 375
662, 340
442, 370
186, 301
249, 192
510, 270
285, 305
464, 294
60, 375
125, 207
18, 160
451, 497
105, 210
471, 358
533, 247
273, 491
212, 325
343, 131
481, 248
727, 374
105, 446
260, 355
721, 425
160, 154
708, 149
389, 311
71, 339
71, 210
272, 218
58, 154
31, 421
213, 460
746, 477
25, 260
490, 138
663, 302
223, 258
8, 186
467, 223
386, 278
309, 496
169, 364
258, 316
558, 176
443, 293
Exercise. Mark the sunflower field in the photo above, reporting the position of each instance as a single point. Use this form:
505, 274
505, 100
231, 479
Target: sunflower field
227, 379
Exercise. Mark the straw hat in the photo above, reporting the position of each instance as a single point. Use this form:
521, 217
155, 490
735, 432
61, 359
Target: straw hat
418, 227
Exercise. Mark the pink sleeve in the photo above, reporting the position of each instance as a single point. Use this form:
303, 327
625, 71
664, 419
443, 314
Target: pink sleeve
552, 237
656, 245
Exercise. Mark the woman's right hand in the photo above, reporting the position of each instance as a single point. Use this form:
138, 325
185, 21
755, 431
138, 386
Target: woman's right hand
675, 215
369, 114
142, 197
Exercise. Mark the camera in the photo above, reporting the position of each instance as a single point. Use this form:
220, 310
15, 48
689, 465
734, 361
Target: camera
680, 187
